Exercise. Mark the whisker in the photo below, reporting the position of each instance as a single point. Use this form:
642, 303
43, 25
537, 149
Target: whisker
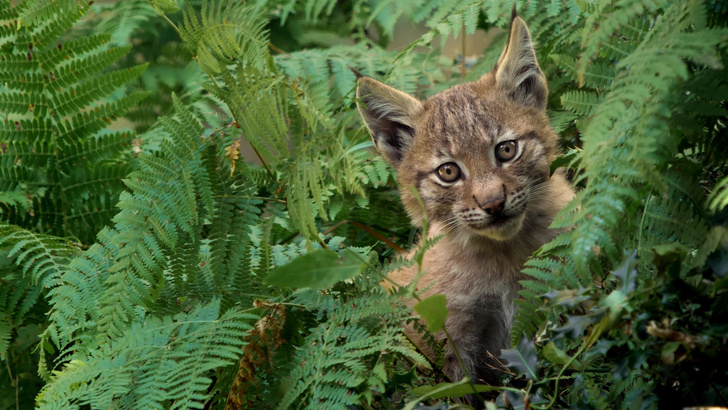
451, 224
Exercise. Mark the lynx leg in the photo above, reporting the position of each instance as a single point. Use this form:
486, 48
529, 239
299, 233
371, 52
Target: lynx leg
479, 333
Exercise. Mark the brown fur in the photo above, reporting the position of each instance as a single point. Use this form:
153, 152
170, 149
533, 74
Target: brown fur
477, 264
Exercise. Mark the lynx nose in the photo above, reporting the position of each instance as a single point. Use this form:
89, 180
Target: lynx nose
493, 205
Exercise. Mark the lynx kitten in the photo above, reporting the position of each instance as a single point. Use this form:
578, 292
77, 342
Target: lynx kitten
478, 155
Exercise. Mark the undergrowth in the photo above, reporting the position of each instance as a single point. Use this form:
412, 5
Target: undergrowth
223, 246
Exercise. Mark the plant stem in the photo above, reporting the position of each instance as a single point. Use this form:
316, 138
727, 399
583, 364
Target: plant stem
561, 372
253, 147
462, 60
369, 231
276, 49
276, 200
642, 221
17, 387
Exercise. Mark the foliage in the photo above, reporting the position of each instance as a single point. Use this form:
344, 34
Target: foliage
649, 101
160, 268
57, 100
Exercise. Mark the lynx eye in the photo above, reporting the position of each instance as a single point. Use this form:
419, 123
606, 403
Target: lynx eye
505, 151
449, 172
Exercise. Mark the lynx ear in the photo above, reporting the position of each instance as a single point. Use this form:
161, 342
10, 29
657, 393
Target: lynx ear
517, 71
388, 114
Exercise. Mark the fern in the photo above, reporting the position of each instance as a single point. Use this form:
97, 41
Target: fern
581, 103
122, 19
165, 304
254, 93
220, 34
359, 333
641, 189
41, 259
595, 76
57, 105
719, 197
113, 288
663, 220
159, 360
641, 84
333, 63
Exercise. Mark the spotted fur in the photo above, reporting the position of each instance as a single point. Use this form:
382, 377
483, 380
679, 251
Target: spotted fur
497, 213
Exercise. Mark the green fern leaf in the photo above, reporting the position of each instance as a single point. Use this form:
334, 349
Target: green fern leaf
163, 361
582, 103
60, 86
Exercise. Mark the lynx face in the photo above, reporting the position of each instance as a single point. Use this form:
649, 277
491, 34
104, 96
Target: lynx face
477, 153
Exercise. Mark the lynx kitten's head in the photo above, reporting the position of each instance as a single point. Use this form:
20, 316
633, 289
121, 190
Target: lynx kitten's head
477, 153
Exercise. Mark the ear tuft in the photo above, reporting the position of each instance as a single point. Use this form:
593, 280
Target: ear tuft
517, 71
356, 72
389, 115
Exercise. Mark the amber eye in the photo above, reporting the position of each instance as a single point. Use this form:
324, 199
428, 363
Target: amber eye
506, 151
449, 172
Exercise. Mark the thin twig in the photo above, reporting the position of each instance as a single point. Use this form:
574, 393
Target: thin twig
558, 376
262, 198
369, 231
642, 221
276, 49
722, 398
17, 389
462, 60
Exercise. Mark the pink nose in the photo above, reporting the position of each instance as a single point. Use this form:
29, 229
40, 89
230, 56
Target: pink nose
492, 205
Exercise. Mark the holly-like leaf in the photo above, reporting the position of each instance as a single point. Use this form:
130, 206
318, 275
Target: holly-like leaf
557, 356
574, 327
668, 258
566, 297
554, 354
627, 273
319, 269
434, 311
523, 359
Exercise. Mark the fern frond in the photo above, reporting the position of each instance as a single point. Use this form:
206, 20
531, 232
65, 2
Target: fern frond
675, 216
42, 259
54, 80
629, 108
121, 19
220, 35
158, 363
560, 120
529, 316
582, 103
15, 199
597, 75
45, 10
6, 329
719, 196
149, 228
336, 357
607, 19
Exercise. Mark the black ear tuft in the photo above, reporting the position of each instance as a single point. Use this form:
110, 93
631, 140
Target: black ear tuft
356, 72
